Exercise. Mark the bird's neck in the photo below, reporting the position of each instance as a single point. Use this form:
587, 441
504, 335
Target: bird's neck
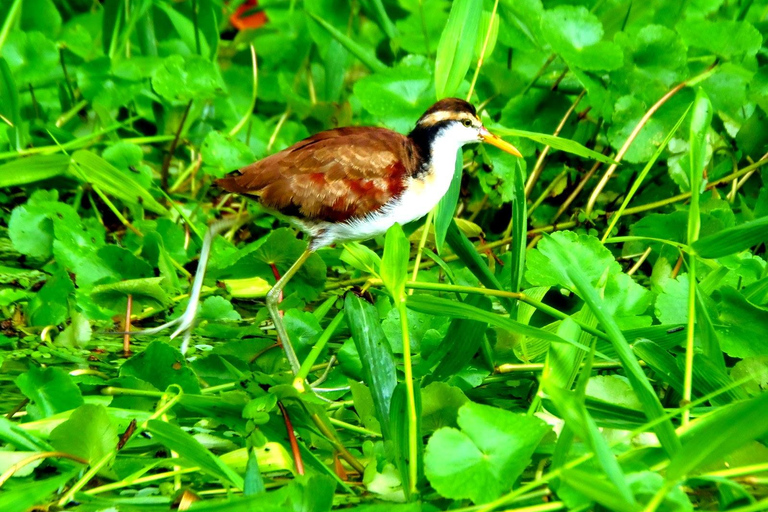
436, 148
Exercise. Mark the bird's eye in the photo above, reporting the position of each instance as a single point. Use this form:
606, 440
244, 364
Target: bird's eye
467, 123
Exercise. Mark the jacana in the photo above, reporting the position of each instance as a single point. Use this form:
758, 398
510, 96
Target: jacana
350, 184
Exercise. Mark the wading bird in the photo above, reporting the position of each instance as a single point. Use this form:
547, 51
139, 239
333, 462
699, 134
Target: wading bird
349, 184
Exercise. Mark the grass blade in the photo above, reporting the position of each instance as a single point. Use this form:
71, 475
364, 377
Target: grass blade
110, 180
457, 46
653, 408
447, 205
519, 226
700, 121
641, 177
719, 434
188, 447
467, 253
438, 306
33, 169
732, 240
366, 55
567, 145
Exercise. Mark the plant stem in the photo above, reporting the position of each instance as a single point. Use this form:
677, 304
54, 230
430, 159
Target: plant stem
482, 52
422, 243
413, 448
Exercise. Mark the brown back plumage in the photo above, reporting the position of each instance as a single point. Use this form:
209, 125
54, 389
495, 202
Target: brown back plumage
334, 176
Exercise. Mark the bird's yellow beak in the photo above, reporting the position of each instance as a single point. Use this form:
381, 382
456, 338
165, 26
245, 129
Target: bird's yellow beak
503, 145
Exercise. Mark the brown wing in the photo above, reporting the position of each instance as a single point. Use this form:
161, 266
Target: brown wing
334, 176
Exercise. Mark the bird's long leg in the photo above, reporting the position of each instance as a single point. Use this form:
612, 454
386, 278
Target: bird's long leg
273, 300
186, 321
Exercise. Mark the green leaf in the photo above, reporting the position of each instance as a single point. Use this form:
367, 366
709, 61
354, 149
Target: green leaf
567, 265
581, 423
485, 457
701, 118
398, 96
223, 153
742, 326
519, 227
189, 448
461, 343
361, 258
10, 109
718, 434
50, 306
447, 205
180, 80
51, 390
89, 433
576, 35
456, 46
394, 263
463, 248
366, 55
599, 490
378, 363
145, 292
161, 365
567, 145
97, 171
728, 39
440, 405
733, 240
36, 492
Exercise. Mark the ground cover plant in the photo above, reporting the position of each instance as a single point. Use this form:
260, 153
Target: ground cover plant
586, 328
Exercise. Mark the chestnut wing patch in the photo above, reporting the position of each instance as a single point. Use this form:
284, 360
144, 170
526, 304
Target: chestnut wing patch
333, 176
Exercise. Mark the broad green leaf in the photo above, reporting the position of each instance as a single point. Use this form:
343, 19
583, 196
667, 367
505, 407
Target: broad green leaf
483, 459
180, 80
51, 390
145, 292
576, 35
440, 405
188, 447
223, 153
742, 326
89, 433
566, 264
726, 38
718, 434
378, 363
97, 171
398, 96
394, 263
733, 240
456, 46
161, 365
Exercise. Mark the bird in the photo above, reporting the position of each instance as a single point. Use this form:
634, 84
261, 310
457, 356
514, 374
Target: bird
349, 184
